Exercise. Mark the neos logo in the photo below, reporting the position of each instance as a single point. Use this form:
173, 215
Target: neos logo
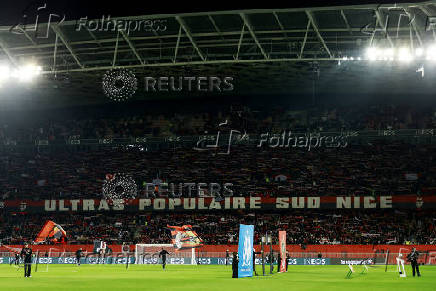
45, 261
314, 261
177, 261
204, 261
150, 261
67, 261
121, 261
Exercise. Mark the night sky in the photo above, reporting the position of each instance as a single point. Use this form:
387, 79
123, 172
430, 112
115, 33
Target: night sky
11, 11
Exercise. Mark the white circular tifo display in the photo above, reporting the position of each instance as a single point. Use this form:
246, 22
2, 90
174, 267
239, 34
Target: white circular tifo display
119, 84
119, 187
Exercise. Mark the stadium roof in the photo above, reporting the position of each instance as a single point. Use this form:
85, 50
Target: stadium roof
263, 48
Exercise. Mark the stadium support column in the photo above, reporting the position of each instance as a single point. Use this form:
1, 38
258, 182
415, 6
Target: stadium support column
263, 241
8, 53
387, 261
57, 30
315, 28
182, 23
193, 258
37, 261
271, 265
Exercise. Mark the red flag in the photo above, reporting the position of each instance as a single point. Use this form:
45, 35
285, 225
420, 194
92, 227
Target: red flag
52, 232
183, 237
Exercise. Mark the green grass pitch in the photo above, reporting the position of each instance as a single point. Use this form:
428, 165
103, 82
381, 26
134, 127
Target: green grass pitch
179, 277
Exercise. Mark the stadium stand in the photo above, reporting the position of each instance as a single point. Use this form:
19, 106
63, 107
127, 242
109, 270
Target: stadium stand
304, 227
353, 170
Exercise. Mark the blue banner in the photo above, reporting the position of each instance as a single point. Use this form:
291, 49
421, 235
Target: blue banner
245, 251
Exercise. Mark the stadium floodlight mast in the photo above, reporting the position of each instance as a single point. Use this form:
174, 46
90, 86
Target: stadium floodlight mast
21, 74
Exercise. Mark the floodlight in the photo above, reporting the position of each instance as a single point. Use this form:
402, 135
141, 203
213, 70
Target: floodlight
419, 52
404, 54
372, 53
4, 73
28, 72
388, 54
431, 53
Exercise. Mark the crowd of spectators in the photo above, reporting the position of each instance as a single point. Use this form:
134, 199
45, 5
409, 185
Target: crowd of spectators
303, 227
372, 169
58, 128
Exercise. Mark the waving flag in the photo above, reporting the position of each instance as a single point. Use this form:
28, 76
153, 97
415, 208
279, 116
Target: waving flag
51, 232
183, 237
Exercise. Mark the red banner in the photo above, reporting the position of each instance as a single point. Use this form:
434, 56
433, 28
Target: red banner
282, 244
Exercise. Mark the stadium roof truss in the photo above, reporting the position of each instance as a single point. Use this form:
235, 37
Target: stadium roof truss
223, 37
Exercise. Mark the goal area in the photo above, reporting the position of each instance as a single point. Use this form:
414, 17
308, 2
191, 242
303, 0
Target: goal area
149, 254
